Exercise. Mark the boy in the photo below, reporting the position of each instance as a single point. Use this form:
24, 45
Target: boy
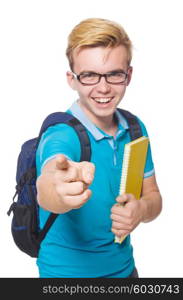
85, 194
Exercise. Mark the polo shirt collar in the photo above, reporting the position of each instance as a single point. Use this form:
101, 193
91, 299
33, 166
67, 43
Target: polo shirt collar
77, 112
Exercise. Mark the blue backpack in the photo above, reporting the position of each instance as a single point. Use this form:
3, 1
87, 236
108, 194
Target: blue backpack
25, 222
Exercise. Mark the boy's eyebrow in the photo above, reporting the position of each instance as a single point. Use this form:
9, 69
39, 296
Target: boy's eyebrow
116, 70
111, 71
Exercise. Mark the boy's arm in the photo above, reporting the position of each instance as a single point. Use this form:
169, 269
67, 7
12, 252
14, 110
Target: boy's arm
151, 199
63, 184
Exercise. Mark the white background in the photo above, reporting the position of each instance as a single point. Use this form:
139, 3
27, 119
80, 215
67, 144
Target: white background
33, 37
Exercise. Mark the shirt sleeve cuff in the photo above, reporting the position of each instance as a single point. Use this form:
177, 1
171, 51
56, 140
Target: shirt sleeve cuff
150, 173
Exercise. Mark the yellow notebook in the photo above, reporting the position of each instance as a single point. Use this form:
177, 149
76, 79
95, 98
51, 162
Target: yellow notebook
133, 169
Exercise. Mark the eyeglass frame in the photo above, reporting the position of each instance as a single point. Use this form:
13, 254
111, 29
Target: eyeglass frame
102, 75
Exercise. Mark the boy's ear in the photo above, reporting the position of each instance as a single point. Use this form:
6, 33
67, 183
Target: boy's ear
130, 70
71, 80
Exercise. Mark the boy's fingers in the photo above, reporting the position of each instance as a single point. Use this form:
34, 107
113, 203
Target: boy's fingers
87, 172
75, 171
78, 200
123, 199
61, 162
72, 188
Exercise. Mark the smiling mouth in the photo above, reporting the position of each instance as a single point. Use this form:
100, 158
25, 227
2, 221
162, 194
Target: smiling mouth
102, 100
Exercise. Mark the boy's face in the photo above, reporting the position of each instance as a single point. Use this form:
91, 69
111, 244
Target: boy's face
99, 60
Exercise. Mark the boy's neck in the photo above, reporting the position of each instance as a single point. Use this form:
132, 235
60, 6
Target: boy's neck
107, 124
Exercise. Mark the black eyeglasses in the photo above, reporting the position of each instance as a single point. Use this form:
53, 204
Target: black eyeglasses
91, 78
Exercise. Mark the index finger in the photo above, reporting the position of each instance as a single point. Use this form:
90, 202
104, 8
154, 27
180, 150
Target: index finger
61, 162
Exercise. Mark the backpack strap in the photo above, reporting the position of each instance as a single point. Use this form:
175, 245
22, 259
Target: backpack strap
133, 123
57, 118
63, 117
51, 219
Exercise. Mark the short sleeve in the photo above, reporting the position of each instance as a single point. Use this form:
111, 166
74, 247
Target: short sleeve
149, 165
57, 139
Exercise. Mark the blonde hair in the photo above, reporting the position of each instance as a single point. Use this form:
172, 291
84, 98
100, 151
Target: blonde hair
96, 32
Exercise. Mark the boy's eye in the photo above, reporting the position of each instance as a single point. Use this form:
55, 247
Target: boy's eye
88, 75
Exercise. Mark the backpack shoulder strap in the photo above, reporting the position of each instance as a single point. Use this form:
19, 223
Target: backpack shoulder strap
133, 123
63, 117
51, 219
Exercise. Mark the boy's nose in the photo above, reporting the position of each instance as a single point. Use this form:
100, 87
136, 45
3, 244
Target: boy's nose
103, 86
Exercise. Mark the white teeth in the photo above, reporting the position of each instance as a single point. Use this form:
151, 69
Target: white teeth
102, 100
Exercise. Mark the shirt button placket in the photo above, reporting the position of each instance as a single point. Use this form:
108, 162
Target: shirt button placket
115, 149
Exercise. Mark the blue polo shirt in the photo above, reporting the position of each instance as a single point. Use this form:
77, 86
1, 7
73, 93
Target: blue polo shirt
80, 242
